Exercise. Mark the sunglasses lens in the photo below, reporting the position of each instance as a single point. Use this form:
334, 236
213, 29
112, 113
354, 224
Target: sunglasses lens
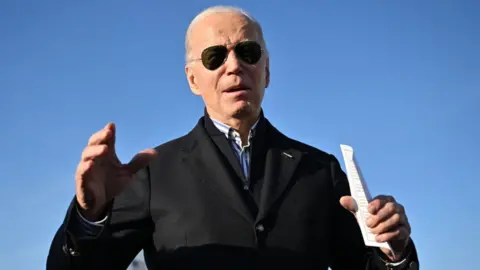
213, 57
249, 51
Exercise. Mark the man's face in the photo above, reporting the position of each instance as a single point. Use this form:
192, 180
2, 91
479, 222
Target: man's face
218, 87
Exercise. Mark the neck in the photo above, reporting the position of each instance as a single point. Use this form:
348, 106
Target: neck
241, 124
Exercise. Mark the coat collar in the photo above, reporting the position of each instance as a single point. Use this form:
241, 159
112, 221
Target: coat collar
204, 159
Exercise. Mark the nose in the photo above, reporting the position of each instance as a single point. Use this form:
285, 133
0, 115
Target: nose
232, 64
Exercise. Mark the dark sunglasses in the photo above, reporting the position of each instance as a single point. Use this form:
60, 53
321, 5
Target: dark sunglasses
213, 57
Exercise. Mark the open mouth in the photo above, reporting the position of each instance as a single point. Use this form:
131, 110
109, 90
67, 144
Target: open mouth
237, 89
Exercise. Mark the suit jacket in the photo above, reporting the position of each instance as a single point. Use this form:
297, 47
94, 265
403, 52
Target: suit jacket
187, 210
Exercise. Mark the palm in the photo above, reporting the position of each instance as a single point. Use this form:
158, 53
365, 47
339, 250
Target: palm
106, 180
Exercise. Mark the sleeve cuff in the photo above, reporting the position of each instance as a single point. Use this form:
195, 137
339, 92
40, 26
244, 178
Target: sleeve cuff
401, 264
99, 223
394, 264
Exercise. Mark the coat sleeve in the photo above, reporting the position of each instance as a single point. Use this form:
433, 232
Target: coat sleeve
348, 249
126, 232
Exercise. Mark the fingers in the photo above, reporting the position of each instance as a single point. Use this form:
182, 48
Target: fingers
100, 143
378, 202
141, 160
349, 203
399, 233
104, 136
388, 220
84, 168
111, 134
390, 210
388, 224
94, 151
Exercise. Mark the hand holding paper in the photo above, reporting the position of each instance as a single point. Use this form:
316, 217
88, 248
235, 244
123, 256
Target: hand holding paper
382, 220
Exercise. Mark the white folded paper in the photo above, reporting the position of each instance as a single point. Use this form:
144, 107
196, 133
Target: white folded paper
361, 195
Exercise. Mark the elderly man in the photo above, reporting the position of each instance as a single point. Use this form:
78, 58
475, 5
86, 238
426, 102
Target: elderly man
234, 193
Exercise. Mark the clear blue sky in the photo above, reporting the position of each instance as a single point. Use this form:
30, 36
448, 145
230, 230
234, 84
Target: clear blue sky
397, 80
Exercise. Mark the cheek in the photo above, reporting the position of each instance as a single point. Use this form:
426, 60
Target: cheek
258, 77
208, 83
205, 79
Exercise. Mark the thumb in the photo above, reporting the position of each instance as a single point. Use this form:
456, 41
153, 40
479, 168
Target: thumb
349, 203
140, 160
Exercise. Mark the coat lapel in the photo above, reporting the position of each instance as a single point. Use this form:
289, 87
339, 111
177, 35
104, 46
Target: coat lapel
205, 161
226, 150
280, 166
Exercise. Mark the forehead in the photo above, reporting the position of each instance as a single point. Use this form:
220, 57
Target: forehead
223, 28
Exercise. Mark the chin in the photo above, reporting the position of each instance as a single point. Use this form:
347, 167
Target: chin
244, 110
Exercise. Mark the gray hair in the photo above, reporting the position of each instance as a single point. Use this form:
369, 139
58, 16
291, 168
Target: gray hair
218, 10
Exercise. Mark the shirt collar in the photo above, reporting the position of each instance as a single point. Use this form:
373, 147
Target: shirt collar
231, 133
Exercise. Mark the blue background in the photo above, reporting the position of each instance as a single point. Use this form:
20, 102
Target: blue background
397, 80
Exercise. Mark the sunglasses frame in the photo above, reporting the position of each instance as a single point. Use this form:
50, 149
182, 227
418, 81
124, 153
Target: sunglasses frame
228, 51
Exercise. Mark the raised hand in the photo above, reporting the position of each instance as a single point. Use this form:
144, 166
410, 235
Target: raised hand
100, 175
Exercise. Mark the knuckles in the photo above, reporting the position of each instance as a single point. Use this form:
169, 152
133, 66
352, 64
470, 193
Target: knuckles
391, 207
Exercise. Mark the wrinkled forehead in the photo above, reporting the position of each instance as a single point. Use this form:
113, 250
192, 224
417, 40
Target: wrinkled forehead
222, 29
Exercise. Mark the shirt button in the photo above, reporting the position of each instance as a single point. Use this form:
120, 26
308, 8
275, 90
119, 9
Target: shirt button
260, 228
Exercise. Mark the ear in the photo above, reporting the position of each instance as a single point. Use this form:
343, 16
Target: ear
267, 73
192, 80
